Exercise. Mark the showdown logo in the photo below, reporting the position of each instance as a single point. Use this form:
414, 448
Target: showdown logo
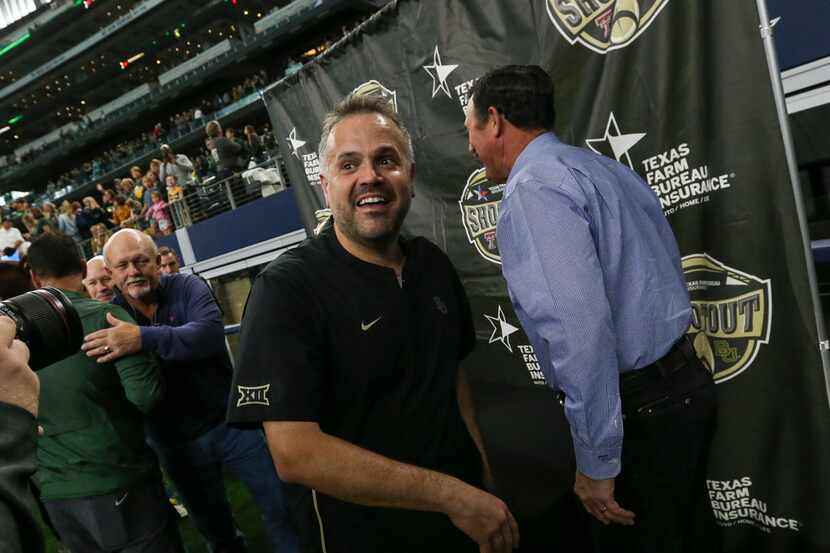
603, 25
374, 88
731, 314
479, 205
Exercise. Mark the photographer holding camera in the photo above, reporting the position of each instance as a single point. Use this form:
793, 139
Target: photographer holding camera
176, 165
99, 481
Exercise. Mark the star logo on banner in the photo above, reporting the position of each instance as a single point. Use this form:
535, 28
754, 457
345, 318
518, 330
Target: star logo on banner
480, 193
501, 329
295, 143
439, 73
614, 143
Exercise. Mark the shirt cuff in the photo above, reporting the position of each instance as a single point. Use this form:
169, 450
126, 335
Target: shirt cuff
599, 464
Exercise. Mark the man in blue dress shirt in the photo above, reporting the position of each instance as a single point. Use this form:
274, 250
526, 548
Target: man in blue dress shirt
593, 271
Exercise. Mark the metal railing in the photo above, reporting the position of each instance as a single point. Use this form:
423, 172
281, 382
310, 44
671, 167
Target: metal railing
211, 197
204, 200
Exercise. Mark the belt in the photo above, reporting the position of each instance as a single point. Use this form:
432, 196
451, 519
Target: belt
682, 354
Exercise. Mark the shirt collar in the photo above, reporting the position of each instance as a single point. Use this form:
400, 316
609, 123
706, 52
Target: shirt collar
533, 149
343, 255
73, 294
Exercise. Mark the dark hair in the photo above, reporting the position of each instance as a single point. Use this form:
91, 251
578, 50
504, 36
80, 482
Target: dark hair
164, 250
357, 104
55, 255
213, 129
14, 280
522, 93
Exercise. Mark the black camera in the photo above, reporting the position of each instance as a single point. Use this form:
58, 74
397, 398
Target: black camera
47, 323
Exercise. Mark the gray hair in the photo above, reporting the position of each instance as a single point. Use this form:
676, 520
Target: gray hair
356, 104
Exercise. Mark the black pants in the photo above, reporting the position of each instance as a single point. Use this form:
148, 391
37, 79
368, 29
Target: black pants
669, 417
135, 520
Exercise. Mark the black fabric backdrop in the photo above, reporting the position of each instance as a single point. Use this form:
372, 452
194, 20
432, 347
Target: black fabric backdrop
679, 92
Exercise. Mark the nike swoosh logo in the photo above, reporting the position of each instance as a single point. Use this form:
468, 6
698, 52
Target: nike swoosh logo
120, 501
365, 327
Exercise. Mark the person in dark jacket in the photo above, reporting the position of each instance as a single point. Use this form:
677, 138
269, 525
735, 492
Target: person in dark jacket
89, 215
180, 322
19, 529
254, 144
225, 151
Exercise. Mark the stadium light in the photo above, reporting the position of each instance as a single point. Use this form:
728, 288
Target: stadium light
5, 129
14, 44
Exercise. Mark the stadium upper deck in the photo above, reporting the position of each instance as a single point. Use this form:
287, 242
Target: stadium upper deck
89, 71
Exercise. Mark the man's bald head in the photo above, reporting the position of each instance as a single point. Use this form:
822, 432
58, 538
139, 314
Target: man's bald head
133, 259
98, 280
132, 237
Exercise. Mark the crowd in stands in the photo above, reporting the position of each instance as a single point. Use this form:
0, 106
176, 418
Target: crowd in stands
140, 199
176, 126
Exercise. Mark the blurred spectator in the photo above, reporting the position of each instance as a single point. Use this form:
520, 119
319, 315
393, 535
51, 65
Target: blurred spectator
66, 221
141, 187
169, 261
225, 151
136, 174
254, 144
178, 166
155, 167
121, 213
126, 186
136, 208
108, 204
29, 222
10, 237
174, 191
158, 212
46, 221
149, 187
90, 215
100, 235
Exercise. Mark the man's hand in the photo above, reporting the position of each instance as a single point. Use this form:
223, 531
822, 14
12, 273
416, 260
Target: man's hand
486, 519
112, 343
597, 497
18, 384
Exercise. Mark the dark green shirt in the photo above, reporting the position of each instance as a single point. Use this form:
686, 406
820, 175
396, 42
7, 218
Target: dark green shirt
91, 413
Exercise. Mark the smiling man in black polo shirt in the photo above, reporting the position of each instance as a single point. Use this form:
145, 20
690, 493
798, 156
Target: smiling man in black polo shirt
350, 353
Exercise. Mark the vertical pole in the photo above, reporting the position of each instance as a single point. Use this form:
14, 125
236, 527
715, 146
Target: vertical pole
783, 119
229, 192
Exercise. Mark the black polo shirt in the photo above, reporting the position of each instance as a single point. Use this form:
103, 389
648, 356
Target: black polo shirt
332, 339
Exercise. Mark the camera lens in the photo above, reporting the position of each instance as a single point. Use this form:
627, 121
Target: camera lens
48, 324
